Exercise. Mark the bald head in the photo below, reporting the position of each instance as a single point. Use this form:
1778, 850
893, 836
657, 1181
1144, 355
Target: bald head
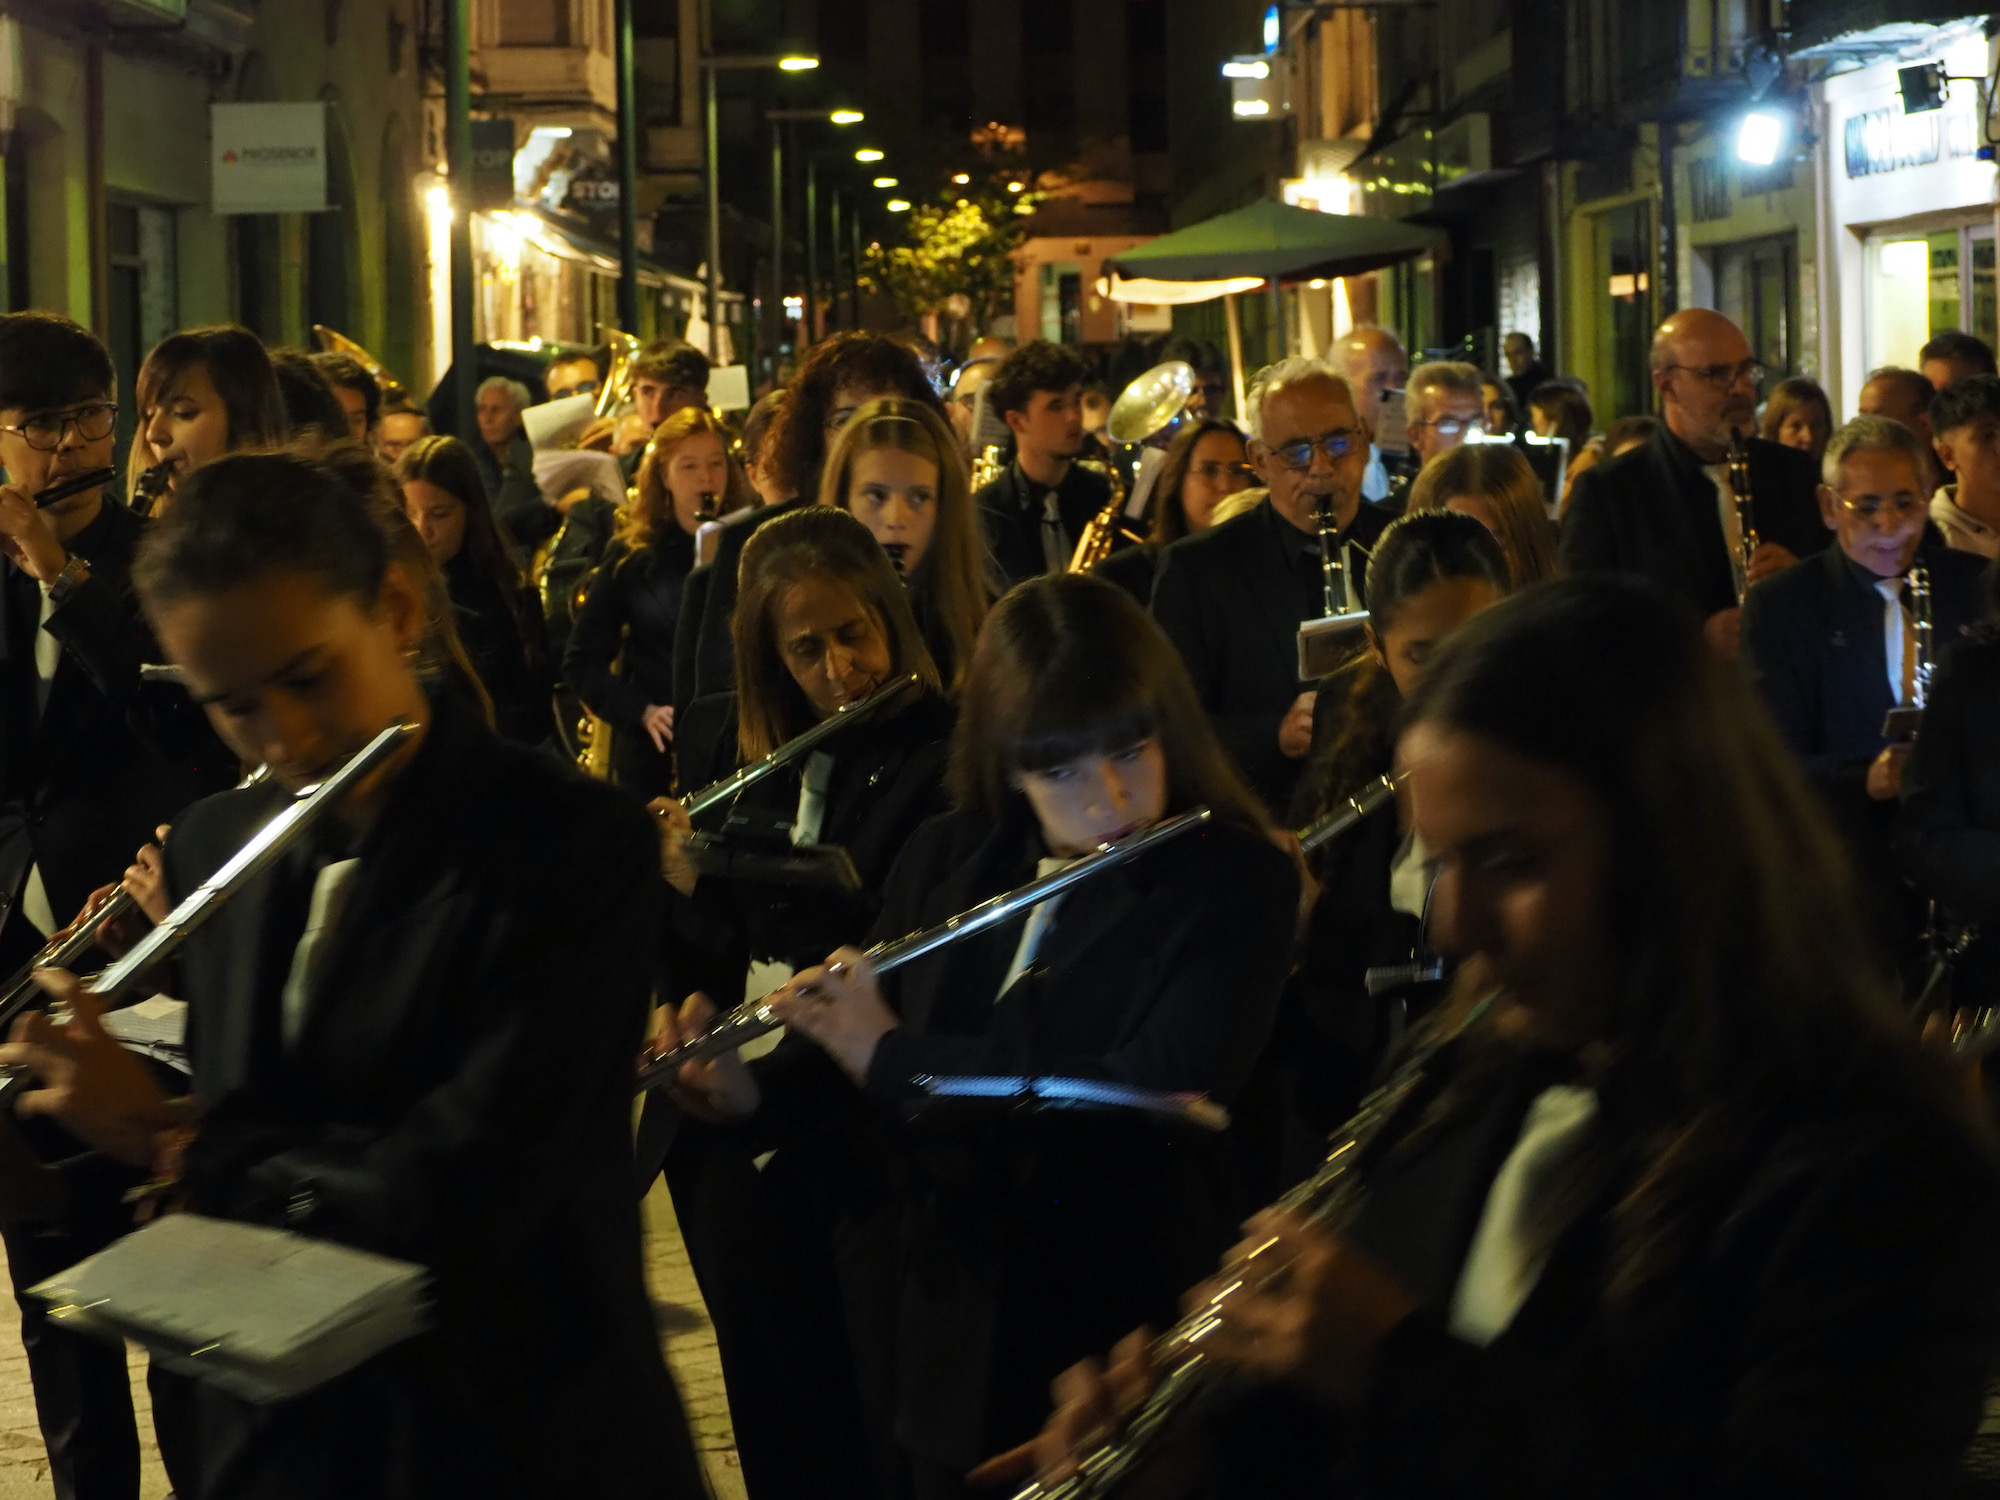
1374, 362
1705, 374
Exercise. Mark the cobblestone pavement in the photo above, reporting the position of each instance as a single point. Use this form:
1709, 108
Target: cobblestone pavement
684, 1330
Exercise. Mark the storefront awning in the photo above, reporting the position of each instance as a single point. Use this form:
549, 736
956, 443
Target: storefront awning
1275, 241
1817, 22
569, 241
1172, 293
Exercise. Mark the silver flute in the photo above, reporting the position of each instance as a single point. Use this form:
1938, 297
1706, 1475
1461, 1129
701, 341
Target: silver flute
1330, 1197
1348, 813
798, 746
308, 805
754, 1018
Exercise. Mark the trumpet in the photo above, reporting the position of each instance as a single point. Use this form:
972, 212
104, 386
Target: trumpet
1331, 1196
264, 848
1746, 512
798, 746
754, 1018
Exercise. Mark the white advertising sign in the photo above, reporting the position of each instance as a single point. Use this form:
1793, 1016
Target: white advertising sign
268, 158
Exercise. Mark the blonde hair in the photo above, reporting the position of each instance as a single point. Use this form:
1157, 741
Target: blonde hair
1499, 475
948, 584
651, 506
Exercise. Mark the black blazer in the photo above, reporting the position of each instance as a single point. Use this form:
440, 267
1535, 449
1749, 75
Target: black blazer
515, 676
107, 759
709, 611
1231, 604
422, 1115
1830, 1337
1652, 511
1012, 521
1021, 1248
1133, 569
633, 610
1948, 829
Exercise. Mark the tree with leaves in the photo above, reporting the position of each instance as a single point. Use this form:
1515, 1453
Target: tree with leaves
956, 257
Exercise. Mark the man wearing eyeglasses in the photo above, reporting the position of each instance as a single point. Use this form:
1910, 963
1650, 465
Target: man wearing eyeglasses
1667, 509
1447, 405
1832, 645
91, 763
1232, 598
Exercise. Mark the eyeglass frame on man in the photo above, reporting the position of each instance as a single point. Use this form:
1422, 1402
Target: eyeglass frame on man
1726, 377
1451, 426
1299, 462
65, 419
1869, 509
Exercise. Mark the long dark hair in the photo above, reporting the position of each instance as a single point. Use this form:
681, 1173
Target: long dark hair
1743, 991
817, 542
1414, 552
448, 463
877, 361
1170, 522
237, 365
1066, 666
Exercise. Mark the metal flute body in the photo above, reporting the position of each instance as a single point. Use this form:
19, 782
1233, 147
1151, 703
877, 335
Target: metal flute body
1329, 1197
76, 484
753, 1019
1350, 812
798, 745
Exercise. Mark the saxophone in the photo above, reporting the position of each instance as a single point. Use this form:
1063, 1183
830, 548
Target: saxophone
1101, 531
1331, 1196
986, 467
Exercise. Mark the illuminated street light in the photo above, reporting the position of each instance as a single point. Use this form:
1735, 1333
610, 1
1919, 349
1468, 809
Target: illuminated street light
797, 64
1759, 137
847, 117
898, 205
885, 182
868, 153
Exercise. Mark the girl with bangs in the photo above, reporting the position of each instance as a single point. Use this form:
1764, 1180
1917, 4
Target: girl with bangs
201, 393
896, 468
1006, 1246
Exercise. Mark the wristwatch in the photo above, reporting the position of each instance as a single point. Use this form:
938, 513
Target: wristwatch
74, 573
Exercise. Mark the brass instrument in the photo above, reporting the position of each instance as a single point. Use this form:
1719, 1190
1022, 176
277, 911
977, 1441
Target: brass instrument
1331, 1196
798, 746
1746, 511
339, 343
150, 486
263, 849
1149, 410
987, 466
617, 387
754, 1018
1361, 805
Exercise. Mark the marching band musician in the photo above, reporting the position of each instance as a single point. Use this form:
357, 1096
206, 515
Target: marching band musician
201, 393
1947, 837
822, 623
368, 1028
1431, 572
1688, 1211
1496, 486
634, 605
896, 469
1231, 599
1205, 464
497, 616
1036, 510
1832, 647
1078, 727
840, 376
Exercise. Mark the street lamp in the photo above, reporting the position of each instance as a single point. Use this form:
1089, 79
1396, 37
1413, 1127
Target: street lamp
868, 153
886, 182
781, 121
710, 66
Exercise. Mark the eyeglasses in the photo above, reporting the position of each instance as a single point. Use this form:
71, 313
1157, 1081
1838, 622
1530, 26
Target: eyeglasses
1336, 445
45, 429
1725, 377
1217, 472
580, 388
1451, 427
1903, 507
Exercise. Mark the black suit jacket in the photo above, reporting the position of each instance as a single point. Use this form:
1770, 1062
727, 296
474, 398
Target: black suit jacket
1948, 829
503, 914
107, 759
1133, 569
1020, 1248
1012, 521
1229, 601
1652, 511
1830, 1334
708, 610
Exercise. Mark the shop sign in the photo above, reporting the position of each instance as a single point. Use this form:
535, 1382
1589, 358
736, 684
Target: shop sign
492, 163
267, 158
1887, 140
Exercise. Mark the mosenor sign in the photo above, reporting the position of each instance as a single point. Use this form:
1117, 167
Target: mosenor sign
267, 158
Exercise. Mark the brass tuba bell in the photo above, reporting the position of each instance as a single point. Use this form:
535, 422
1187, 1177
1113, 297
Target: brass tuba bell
1150, 409
333, 342
617, 387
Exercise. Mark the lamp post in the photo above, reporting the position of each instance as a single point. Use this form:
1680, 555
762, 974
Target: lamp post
458, 160
710, 66
781, 122
628, 176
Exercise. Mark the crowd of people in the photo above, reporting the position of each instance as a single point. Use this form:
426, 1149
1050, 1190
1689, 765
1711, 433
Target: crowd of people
1645, 808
